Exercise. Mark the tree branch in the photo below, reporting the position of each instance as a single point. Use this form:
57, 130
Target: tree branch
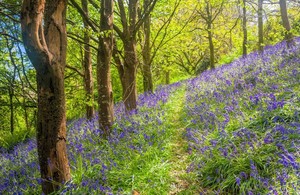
75, 69
10, 36
80, 41
86, 18
94, 4
119, 32
218, 11
123, 15
146, 13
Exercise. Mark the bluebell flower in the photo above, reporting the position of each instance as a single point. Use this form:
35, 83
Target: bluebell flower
238, 181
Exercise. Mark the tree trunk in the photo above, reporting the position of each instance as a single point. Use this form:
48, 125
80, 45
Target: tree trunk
125, 77
211, 51
260, 25
45, 41
87, 65
11, 90
11, 106
285, 20
245, 38
129, 77
127, 70
105, 49
211, 47
26, 114
167, 77
210, 36
147, 74
127, 74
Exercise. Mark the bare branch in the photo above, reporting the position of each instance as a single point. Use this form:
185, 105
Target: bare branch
146, 13
75, 69
10, 36
80, 40
218, 12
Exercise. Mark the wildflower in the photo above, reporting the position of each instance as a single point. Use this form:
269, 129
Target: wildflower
213, 142
238, 181
254, 99
84, 183
268, 139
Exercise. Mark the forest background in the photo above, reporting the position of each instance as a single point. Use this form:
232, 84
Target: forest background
116, 50
179, 43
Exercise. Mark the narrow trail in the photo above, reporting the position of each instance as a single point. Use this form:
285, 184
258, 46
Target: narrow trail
180, 164
182, 181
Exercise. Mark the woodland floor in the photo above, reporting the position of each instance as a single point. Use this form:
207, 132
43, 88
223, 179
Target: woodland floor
182, 181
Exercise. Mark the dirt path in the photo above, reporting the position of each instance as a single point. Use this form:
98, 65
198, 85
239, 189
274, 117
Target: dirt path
182, 182
180, 164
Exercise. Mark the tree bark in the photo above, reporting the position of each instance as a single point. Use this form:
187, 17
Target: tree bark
260, 25
129, 77
245, 34
44, 35
285, 20
127, 70
127, 74
105, 49
87, 65
147, 73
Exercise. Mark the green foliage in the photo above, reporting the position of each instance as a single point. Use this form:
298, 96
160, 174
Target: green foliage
8, 140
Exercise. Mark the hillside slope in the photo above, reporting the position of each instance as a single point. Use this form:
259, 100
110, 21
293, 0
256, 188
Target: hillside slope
244, 131
232, 130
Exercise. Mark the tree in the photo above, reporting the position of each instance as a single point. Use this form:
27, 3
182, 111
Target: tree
209, 11
87, 65
285, 20
105, 48
11, 88
245, 34
147, 74
160, 37
44, 35
260, 25
130, 25
104, 53
193, 61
